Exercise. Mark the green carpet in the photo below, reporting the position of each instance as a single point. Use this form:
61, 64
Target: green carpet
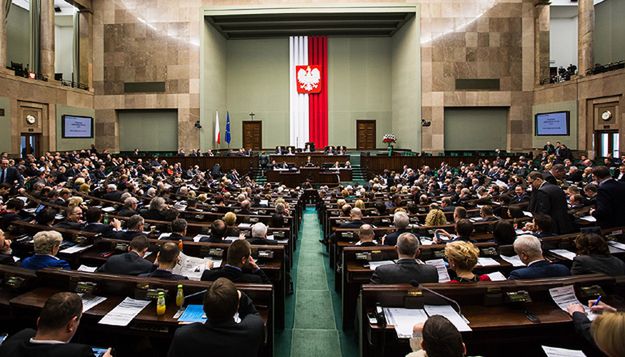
312, 327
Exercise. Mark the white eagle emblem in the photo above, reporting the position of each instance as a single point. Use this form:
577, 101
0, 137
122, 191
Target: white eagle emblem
308, 79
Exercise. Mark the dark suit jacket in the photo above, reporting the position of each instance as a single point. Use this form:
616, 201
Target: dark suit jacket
126, 264
113, 196
126, 212
391, 238
163, 274
551, 200
12, 175
176, 237
403, 272
236, 275
592, 264
69, 225
6, 259
610, 203
541, 269
221, 338
104, 229
40, 261
19, 345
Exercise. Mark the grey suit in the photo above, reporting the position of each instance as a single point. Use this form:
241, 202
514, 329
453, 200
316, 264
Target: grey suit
404, 272
592, 264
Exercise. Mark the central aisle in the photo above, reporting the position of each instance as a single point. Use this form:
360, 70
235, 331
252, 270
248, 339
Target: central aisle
313, 330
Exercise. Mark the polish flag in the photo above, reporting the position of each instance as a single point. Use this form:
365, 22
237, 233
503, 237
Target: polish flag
217, 131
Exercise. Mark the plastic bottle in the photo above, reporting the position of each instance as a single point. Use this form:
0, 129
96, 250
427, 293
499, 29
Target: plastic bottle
180, 245
179, 296
161, 307
106, 219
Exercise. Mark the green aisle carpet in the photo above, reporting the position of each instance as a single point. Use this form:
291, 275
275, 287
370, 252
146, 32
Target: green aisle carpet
313, 311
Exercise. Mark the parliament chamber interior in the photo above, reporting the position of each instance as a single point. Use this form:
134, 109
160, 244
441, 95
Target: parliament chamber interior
437, 178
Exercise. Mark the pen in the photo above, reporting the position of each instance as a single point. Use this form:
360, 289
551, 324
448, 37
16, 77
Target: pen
596, 301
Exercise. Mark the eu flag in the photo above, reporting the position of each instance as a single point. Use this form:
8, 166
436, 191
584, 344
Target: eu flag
228, 128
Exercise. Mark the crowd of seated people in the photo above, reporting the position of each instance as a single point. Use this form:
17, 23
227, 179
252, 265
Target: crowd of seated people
553, 190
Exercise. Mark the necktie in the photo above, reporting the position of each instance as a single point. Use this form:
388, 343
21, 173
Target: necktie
2, 176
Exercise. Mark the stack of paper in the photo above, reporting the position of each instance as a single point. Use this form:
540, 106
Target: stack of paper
75, 249
200, 236
496, 276
89, 301
616, 245
450, 314
441, 268
374, 265
404, 319
563, 253
590, 219
123, 313
487, 262
164, 235
562, 352
514, 260
565, 296
87, 269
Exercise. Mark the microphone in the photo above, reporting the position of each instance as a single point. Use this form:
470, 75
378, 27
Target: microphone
416, 284
201, 292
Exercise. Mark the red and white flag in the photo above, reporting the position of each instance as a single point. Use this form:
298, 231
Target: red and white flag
217, 131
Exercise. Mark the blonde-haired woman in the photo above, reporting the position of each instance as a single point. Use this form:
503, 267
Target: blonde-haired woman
462, 257
47, 244
436, 217
359, 204
230, 219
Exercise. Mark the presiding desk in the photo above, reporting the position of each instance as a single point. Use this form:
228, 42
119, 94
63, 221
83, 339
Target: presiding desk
499, 327
157, 329
316, 175
317, 158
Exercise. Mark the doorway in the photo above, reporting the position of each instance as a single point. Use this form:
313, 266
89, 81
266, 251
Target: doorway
253, 135
607, 142
30, 144
365, 134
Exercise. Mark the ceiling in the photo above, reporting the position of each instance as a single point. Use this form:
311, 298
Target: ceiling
242, 26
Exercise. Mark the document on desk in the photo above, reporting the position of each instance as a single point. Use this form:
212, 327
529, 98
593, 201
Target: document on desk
191, 267
75, 249
528, 214
89, 301
123, 313
514, 260
192, 313
561, 352
450, 314
87, 269
590, 219
374, 265
441, 268
245, 225
198, 237
487, 262
563, 253
404, 319
164, 235
565, 296
616, 245
496, 276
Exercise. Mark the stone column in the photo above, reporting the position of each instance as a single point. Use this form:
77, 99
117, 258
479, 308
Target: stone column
541, 42
3, 37
85, 54
585, 27
46, 43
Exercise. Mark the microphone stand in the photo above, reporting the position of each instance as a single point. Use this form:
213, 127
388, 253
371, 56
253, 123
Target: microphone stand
416, 284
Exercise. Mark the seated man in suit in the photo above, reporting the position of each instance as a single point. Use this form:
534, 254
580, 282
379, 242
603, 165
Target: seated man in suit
166, 259
94, 225
73, 219
366, 236
240, 267
531, 254
134, 227
408, 267
47, 245
132, 262
112, 193
401, 221
519, 195
10, 175
56, 325
130, 207
223, 334
259, 235
179, 230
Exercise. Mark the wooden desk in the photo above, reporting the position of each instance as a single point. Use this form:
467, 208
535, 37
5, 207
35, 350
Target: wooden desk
318, 159
497, 326
315, 174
